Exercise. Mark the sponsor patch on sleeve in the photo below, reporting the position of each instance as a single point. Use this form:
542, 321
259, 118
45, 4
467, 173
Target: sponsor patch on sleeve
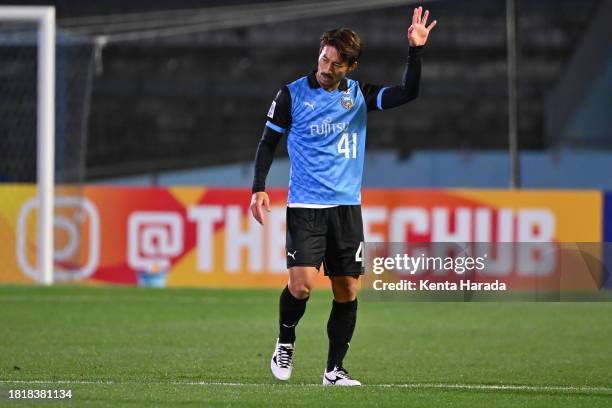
271, 110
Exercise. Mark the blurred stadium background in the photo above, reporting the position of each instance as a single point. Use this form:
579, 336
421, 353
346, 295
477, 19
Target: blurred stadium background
159, 109
152, 107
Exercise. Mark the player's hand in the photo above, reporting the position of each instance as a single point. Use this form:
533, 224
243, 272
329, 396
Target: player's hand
418, 31
259, 202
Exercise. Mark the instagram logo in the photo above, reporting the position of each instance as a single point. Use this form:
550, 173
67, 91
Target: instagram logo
73, 215
153, 238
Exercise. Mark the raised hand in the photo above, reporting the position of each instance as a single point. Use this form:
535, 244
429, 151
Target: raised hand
418, 31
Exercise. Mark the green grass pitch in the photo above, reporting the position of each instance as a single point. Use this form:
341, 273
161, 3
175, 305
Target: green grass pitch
196, 347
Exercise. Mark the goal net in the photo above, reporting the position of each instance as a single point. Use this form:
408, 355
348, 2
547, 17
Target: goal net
45, 88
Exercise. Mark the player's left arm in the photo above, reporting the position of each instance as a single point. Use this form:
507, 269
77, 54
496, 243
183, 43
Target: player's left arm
385, 97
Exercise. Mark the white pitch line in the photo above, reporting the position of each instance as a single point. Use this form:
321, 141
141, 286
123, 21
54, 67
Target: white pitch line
95, 298
113, 299
482, 387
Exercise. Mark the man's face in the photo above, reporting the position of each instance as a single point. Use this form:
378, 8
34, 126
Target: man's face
331, 68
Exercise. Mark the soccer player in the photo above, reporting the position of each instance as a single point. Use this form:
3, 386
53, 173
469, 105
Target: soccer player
323, 115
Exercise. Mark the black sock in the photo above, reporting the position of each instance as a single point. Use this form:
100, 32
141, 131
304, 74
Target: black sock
291, 310
340, 328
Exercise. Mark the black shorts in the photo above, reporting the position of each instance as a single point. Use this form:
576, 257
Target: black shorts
332, 236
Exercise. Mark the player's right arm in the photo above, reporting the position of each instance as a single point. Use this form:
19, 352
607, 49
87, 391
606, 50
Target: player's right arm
279, 122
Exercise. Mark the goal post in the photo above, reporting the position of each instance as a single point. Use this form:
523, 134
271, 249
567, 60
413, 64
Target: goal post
44, 18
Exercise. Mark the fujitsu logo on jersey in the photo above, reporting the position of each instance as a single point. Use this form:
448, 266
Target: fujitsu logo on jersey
327, 127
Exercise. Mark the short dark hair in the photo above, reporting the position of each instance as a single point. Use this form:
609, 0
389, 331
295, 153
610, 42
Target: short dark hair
346, 41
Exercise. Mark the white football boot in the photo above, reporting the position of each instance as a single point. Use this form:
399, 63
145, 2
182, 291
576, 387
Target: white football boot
282, 360
338, 376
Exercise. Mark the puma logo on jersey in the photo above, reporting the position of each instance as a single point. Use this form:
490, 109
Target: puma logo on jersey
292, 254
311, 105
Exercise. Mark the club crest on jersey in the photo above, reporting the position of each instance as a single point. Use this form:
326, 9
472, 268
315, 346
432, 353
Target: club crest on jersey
347, 101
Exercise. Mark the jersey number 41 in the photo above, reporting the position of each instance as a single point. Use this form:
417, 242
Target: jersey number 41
344, 145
